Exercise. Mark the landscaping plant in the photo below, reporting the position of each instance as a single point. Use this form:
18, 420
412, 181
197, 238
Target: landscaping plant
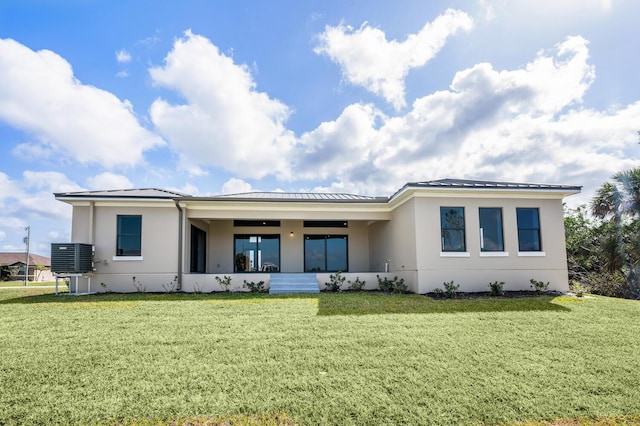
395, 285
356, 285
224, 282
539, 286
335, 282
450, 289
496, 288
254, 287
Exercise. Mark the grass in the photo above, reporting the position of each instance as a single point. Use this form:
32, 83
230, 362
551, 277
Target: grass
31, 284
317, 359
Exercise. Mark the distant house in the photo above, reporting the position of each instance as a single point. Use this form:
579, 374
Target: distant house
471, 232
13, 265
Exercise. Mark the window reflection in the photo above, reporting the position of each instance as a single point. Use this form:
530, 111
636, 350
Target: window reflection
255, 253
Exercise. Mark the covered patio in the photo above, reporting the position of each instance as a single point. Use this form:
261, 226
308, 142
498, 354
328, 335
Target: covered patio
290, 234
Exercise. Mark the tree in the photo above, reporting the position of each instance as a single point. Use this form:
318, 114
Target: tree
617, 204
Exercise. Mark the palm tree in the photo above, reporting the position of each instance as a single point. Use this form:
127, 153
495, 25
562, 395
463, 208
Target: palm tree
619, 203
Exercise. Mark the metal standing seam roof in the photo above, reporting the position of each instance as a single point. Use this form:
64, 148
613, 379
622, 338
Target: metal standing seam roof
124, 193
155, 193
294, 196
463, 183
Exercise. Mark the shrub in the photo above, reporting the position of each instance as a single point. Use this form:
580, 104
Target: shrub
606, 284
497, 288
450, 289
140, 288
254, 287
224, 282
356, 285
335, 282
539, 286
197, 288
395, 285
172, 286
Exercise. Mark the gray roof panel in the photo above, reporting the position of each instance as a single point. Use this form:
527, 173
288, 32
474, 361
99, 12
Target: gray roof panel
295, 196
123, 193
465, 183
155, 193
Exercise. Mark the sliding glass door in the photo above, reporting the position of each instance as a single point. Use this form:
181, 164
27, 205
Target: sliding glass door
257, 253
326, 253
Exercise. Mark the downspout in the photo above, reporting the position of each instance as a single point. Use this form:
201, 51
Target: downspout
180, 237
91, 223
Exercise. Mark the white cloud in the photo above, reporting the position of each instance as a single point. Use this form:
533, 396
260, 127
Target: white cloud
33, 151
122, 56
36, 199
187, 188
225, 122
3, 235
236, 186
49, 181
337, 147
367, 59
122, 74
108, 180
8, 188
516, 125
40, 95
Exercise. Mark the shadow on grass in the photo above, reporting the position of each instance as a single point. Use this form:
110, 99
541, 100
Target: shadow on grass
377, 303
65, 298
362, 303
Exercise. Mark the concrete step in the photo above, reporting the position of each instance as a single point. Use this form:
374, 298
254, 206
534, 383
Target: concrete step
293, 283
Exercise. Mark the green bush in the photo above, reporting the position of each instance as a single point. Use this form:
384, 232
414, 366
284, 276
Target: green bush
224, 282
539, 286
255, 287
606, 284
450, 289
395, 285
356, 285
496, 288
335, 282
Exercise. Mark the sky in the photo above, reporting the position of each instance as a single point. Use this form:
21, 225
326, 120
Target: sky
212, 97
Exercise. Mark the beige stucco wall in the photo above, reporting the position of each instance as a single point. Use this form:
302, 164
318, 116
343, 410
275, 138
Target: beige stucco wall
407, 238
474, 272
220, 250
80, 225
158, 266
394, 242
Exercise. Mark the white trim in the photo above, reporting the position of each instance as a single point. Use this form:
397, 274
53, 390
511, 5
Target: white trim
494, 253
531, 254
455, 254
126, 258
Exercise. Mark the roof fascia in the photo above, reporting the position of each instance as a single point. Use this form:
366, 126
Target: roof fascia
408, 192
118, 201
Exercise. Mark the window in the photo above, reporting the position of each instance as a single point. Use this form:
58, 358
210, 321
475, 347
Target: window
491, 229
257, 253
129, 239
528, 229
272, 223
325, 224
325, 253
452, 229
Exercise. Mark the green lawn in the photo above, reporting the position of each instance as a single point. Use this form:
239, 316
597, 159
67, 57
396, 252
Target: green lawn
317, 359
32, 284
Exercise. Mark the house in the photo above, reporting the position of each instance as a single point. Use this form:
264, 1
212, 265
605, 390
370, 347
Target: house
471, 232
13, 265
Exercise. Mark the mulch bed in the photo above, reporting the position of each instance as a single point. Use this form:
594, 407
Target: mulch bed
487, 295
